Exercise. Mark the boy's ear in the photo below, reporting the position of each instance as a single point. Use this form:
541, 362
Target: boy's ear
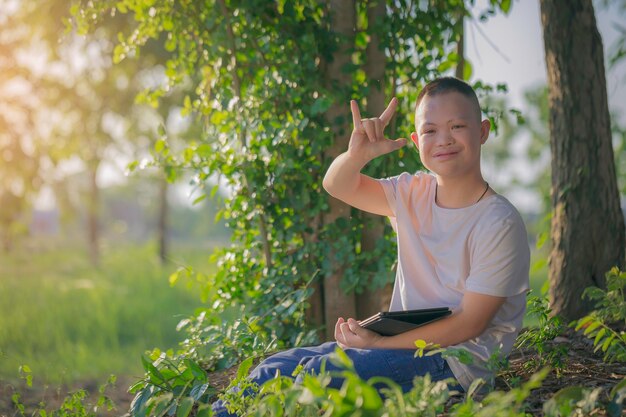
485, 127
415, 139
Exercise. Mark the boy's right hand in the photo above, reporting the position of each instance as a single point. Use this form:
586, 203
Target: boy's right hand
368, 140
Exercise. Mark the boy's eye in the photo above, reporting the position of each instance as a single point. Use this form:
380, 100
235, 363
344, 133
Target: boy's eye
426, 132
457, 126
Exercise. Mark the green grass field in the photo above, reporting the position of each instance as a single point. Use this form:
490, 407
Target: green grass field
69, 321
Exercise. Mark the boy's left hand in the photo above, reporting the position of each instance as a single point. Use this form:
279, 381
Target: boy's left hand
349, 334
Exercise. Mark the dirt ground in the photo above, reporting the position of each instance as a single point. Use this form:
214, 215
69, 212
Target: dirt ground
581, 367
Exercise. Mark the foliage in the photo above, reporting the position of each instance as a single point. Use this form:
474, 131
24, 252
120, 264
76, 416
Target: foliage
313, 397
550, 326
583, 401
169, 387
609, 312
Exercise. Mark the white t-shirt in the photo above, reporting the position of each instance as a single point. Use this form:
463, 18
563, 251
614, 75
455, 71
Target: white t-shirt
443, 252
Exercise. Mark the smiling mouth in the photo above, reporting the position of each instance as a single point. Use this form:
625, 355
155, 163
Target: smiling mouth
444, 154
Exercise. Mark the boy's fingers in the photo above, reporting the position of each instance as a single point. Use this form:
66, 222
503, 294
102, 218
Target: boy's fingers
354, 326
389, 111
337, 331
345, 329
370, 129
398, 143
379, 129
356, 114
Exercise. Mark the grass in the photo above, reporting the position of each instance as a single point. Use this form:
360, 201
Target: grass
69, 321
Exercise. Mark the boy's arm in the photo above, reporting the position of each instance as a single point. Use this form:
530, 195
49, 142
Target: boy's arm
344, 180
470, 320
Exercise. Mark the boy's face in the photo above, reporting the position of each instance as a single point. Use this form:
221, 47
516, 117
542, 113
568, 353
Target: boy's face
449, 134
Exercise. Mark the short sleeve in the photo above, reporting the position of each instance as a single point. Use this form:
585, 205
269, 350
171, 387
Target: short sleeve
398, 189
500, 259
390, 187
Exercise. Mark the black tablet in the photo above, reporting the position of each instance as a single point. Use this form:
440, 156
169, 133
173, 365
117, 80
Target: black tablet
390, 323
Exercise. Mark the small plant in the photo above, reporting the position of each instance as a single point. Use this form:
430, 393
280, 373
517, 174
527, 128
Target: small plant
583, 401
610, 303
572, 401
499, 403
75, 404
172, 384
610, 312
550, 326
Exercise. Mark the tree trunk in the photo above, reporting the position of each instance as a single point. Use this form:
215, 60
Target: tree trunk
460, 48
587, 221
162, 220
93, 214
343, 22
370, 300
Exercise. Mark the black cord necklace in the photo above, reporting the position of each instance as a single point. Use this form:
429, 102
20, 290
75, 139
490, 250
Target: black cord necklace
481, 196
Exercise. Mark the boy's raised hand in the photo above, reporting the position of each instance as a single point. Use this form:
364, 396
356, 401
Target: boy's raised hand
368, 140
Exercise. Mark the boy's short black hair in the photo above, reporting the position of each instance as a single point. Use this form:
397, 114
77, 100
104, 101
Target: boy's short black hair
448, 85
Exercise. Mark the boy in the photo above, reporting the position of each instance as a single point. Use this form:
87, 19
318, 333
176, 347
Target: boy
460, 245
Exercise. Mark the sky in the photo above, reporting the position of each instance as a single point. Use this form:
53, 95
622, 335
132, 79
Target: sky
514, 51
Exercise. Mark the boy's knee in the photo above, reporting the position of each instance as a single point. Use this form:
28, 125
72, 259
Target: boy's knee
264, 371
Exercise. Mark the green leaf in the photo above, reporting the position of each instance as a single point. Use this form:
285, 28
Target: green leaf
542, 239
599, 336
505, 6
131, 167
607, 342
119, 53
152, 370
539, 265
593, 326
138, 405
196, 369
198, 391
204, 410
137, 386
198, 199
184, 407
320, 106
159, 146
421, 344
170, 173
583, 322
468, 70
173, 279
564, 401
244, 368
340, 358
168, 25
361, 39
204, 151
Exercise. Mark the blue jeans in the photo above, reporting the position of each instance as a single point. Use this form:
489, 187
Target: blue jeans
399, 365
